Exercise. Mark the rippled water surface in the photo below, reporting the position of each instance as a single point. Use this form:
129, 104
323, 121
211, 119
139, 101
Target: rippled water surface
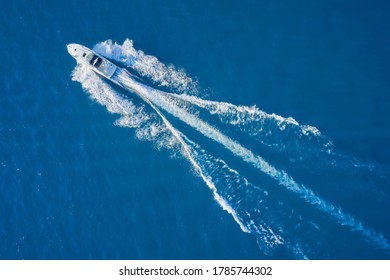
257, 130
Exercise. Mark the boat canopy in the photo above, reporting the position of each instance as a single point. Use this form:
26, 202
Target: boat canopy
102, 65
94, 60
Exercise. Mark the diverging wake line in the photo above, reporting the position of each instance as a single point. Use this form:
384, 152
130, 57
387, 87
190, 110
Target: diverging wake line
162, 100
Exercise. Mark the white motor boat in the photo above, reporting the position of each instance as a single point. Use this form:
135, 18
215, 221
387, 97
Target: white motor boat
96, 62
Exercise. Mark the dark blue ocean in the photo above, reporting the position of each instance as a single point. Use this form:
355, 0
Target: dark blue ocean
275, 143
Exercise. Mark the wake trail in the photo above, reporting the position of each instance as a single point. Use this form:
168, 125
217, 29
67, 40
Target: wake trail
231, 191
187, 153
106, 96
254, 210
162, 100
277, 132
302, 144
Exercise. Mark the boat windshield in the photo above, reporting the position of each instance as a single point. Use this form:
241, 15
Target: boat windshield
102, 65
95, 61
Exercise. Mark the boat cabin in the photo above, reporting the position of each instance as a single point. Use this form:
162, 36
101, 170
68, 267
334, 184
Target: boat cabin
105, 67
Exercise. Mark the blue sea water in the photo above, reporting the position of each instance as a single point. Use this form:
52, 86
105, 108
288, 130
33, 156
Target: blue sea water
85, 175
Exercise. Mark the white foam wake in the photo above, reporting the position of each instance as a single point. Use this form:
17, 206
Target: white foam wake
250, 120
147, 65
283, 134
163, 101
133, 116
232, 192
